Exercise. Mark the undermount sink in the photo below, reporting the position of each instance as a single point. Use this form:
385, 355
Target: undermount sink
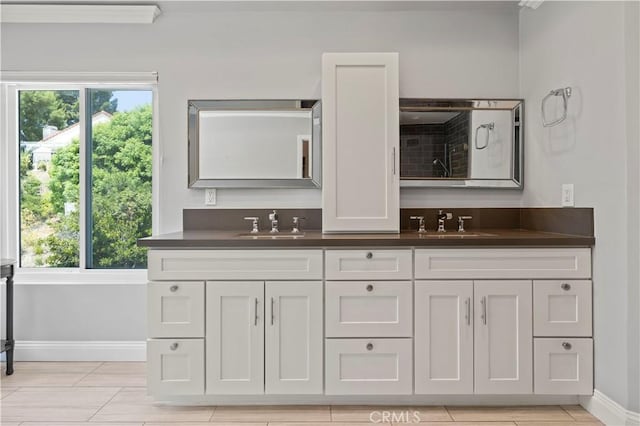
455, 234
272, 236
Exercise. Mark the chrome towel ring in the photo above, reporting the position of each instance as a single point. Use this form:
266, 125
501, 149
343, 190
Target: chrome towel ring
488, 127
566, 94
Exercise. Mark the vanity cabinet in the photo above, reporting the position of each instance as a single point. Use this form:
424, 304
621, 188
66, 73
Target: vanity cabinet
360, 142
369, 321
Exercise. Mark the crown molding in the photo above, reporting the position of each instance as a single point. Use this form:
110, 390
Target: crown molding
78, 13
531, 4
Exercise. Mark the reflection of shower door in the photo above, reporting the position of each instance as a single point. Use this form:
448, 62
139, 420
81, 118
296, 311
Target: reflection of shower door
304, 157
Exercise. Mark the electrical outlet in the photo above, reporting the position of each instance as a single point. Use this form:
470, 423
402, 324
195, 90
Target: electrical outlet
567, 195
210, 197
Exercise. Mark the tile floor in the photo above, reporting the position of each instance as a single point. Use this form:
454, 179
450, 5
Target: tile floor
114, 394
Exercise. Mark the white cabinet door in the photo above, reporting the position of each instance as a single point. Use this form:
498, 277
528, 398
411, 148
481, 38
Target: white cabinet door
293, 333
368, 308
175, 366
563, 366
503, 337
368, 367
235, 337
443, 337
360, 133
175, 309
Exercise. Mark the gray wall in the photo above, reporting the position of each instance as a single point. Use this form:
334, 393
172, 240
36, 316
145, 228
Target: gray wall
582, 45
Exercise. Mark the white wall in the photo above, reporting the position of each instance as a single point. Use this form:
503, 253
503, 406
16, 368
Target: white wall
582, 45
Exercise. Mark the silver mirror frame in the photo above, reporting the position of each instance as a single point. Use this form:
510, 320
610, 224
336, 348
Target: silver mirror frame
194, 108
516, 106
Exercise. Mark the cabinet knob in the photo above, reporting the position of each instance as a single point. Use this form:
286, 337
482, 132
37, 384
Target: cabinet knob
369, 346
370, 287
173, 288
565, 286
566, 345
173, 346
369, 255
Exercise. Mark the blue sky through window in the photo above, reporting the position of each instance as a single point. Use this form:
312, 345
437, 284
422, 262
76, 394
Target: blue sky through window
130, 99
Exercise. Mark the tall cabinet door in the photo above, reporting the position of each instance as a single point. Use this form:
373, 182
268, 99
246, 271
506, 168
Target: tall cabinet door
293, 333
360, 134
443, 337
503, 337
235, 337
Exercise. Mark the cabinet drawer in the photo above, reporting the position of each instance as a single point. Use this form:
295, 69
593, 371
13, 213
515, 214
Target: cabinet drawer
562, 308
368, 367
175, 309
175, 367
368, 264
563, 366
368, 309
235, 264
503, 263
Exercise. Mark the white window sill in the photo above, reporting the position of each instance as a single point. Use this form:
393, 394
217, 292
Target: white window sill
64, 276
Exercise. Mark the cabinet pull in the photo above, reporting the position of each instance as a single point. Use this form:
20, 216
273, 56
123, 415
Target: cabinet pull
394, 161
483, 302
467, 312
173, 346
255, 316
566, 286
173, 288
272, 314
369, 255
566, 346
369, 346
370, 287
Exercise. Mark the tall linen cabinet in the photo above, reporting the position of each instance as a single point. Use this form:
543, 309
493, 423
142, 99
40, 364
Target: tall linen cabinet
361, 175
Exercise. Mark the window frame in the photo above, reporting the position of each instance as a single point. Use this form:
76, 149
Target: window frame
10, 85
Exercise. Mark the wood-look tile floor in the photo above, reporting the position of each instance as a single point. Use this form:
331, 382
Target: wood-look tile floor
114, 394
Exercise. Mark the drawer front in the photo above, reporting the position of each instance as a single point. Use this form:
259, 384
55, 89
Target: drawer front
562, 308
235, 264
368, 367
563, 366
175, 309
368, 265
175, 366
503, 263
368, 309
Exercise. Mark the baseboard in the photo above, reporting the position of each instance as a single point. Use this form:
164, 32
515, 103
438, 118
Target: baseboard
80, 351
608, 411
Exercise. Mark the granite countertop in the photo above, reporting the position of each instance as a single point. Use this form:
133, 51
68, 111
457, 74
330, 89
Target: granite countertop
313, 238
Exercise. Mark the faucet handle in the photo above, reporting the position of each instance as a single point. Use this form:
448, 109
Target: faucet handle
296, 224
421, 226
461, 220
254, 224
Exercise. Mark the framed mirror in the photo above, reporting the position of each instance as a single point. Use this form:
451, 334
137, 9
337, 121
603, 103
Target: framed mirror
255, 144
461, 143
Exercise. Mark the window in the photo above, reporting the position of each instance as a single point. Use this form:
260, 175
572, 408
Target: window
84, 180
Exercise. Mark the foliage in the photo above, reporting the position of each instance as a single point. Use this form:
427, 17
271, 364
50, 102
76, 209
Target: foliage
59, 108
26, 163
121, 193
32, 199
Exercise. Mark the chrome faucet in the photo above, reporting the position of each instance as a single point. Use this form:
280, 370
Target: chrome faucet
441, 218
421, 227
273, 217
255, 229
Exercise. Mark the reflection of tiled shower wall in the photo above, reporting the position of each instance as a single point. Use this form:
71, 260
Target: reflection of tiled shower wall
457, 134
419, 145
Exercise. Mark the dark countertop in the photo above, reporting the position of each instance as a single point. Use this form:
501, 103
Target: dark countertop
487, 237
